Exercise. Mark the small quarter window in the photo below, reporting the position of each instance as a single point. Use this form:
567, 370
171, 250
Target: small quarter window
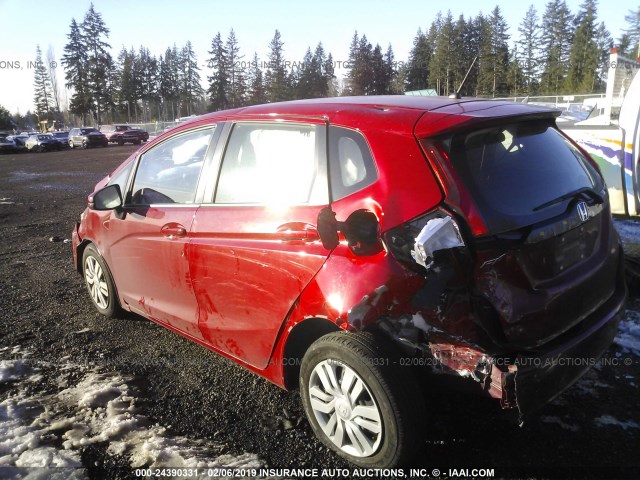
352, 166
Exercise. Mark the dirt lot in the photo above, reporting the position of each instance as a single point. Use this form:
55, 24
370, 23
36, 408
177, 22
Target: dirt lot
591, 431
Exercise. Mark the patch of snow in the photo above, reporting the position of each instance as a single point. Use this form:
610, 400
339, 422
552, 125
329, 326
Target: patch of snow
101, 407
628, 230
13, 370
84, 330
560, 422
628, 336
609, 420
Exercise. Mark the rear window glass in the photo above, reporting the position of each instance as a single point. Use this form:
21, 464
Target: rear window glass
513, 170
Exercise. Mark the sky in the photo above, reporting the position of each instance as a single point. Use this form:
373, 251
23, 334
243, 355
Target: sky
159, 24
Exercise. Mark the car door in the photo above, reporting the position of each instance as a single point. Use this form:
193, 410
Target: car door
255, 247
148, 242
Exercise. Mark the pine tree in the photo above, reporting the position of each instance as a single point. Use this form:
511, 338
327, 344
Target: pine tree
380, 82
440, 67
604, 42
584, 56
169, 84
276, 80
499, 52
127, 83
74, 60
52, 66
237, 83
192, 91
556, 42
6, 121
219, 80
632, 33
353, 65
256, 92
319, 80
148, 78
528, 50
391, 73
304, 86
42, 87
328, 72
418, 64
99, 61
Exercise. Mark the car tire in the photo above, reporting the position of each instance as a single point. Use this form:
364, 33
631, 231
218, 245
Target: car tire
99, 282
85, 144
120, 141
371, 414
136, 142
70, 144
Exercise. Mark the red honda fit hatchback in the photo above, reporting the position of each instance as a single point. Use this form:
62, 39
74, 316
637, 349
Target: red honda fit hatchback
335, 244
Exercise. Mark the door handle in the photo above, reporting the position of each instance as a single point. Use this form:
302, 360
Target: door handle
173, 230
297, 232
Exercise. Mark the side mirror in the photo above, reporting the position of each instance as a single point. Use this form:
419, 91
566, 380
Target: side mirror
109, 198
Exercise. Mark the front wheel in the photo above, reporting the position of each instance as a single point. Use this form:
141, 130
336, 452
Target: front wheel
70, 144
85, 144
99, 282
359, 401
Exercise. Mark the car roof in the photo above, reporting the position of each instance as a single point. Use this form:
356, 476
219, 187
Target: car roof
403, 110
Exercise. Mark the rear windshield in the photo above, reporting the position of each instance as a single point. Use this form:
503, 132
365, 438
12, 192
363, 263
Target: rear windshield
512, 171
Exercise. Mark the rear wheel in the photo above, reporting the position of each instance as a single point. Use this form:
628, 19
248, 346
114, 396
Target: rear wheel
85, 144
99, 282
359, 401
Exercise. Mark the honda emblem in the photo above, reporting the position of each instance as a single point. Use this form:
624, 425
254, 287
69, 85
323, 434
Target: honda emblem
583, 211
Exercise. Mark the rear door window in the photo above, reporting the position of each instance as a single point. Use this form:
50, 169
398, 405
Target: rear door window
273, 164
512, 171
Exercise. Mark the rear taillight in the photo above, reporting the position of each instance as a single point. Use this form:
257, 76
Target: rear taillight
419, 242
455, 194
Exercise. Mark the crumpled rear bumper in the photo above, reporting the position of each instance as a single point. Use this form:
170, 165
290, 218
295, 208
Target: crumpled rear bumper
529, 380
523, 380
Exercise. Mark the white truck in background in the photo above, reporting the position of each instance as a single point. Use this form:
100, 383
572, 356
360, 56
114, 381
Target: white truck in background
614, 145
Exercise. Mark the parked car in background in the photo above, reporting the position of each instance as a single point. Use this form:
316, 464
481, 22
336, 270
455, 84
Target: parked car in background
336, 245
42, 142
19, 141
86, 137
62, 137
122, 134
7, 144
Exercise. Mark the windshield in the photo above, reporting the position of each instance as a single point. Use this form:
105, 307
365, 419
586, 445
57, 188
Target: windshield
519, 174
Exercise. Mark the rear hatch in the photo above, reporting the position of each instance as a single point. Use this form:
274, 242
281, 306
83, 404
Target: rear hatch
537, 210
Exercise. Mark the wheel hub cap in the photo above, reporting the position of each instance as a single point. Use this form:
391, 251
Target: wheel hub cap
96, 282
345, 408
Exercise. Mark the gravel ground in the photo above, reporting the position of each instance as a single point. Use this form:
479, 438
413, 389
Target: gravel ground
592, 430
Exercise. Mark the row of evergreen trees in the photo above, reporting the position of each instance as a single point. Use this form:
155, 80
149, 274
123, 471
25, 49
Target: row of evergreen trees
556, 52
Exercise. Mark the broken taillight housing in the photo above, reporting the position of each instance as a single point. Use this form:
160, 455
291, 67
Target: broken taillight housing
419, 242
